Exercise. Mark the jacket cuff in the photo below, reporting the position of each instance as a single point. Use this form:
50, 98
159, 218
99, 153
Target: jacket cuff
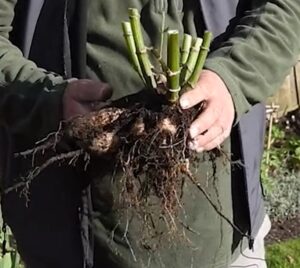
51, 106
33, 118
241, 104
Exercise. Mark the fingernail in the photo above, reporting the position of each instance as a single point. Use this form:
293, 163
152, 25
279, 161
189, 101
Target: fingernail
193, 132
200, 150
184, 103
192, 146
72, 79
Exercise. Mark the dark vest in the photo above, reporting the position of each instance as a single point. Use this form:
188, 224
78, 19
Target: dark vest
220, 18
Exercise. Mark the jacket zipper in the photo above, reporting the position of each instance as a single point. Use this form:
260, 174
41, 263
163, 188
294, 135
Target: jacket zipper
251, 238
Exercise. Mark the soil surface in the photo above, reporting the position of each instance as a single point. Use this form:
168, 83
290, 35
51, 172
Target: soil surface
284, 230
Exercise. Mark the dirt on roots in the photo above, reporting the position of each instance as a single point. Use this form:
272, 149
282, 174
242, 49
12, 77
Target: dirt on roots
149, 146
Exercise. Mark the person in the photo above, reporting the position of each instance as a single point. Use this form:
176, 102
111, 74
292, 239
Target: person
59, 57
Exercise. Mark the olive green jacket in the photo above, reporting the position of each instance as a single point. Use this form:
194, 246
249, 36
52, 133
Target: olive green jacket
252, 57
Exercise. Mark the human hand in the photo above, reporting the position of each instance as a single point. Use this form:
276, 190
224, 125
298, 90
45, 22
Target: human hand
81, 95
214, 124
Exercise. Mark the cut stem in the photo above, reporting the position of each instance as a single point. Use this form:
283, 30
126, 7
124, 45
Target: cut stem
173, 63
126, 26
141, 50
186, 47
163, 25
189, 67
193, 80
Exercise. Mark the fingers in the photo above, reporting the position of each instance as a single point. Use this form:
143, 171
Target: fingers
211, 139
214, 143
204, 121
214, 124
85, 90
82, 96
75, 109
201, 140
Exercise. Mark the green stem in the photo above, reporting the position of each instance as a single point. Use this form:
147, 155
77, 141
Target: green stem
189, 67
173, 63
15, 259
193, 80
126, 26
141, 50
185, 49
6, 261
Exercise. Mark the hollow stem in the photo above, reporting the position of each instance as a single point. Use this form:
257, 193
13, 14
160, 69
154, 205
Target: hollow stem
126, 26
207, 38
189, 67
185, 49
173, 62
141, 50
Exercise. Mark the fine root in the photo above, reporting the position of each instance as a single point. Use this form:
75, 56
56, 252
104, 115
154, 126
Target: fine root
27, 180
148, 146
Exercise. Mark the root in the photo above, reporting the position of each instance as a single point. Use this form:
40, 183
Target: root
71, 156
168, 126
150, 147
125, 237
41, 148
215, 207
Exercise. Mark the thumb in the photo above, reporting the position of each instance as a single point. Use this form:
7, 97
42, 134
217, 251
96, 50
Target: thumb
195, 95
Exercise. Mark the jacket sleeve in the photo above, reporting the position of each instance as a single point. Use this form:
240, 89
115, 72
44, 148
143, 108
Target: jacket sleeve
30, 97
263, 46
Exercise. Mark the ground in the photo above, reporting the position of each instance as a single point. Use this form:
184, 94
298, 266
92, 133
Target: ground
283, 230
284, 255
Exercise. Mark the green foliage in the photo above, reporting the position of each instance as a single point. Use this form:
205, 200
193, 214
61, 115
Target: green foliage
294, 144
284, 154
282, 198
284, 255
280, 174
